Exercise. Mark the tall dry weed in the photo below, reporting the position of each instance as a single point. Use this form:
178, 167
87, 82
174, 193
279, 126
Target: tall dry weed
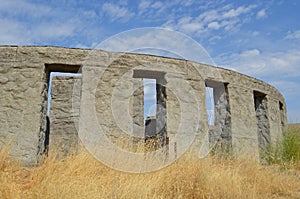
82, 176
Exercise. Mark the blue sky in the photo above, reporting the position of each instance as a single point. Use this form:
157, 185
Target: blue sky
257, 38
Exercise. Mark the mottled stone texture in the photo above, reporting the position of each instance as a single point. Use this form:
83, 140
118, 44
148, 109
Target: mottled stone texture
262, 116
64, 114
161, 120
137, 107
220, 132
110, 90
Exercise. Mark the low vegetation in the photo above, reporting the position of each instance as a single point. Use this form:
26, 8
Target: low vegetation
285, 152
82, 176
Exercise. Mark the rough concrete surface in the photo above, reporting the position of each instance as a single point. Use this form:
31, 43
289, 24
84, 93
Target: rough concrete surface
64, 113
248, 112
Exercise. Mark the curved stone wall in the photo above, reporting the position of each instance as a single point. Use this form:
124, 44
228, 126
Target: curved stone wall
249, 113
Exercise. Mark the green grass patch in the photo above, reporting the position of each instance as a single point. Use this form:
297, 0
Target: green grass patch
285, 151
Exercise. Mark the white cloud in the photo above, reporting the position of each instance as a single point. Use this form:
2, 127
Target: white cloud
20, 7
25, 23
191, 27
208, 16
238, 11
224, 18
261, 14
280, 69
116, 12
143, 5
53, 30
156, 10
13, 33
157, 5
187, 2
161, 40
250, 53
214, 39
214, 25
293, 35
263, 64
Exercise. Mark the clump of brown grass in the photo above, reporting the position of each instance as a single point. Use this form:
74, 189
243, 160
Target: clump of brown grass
82, 176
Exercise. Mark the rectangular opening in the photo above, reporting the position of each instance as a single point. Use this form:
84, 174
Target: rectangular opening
150, 98
218, 111
50, 71
154, 109
210, 106
150, 105
56, 68
60, 68
263, 127
280, 106
281, 111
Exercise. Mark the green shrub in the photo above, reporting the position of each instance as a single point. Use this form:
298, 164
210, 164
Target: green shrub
285, 151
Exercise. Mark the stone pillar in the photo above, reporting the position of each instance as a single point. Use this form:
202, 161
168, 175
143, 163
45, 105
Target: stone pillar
222, 122
64, 114
138, 107
161, 114
262, 116
275, 114
243, 121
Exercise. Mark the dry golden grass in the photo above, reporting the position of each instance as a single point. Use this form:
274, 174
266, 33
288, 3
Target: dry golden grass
82, 176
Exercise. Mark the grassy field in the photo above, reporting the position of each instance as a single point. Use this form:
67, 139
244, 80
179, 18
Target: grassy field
82, 176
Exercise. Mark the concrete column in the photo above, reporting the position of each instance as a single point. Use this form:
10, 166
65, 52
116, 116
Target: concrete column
64, 114
138, 107
222, 124
243, 121
262, 116
161, 114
